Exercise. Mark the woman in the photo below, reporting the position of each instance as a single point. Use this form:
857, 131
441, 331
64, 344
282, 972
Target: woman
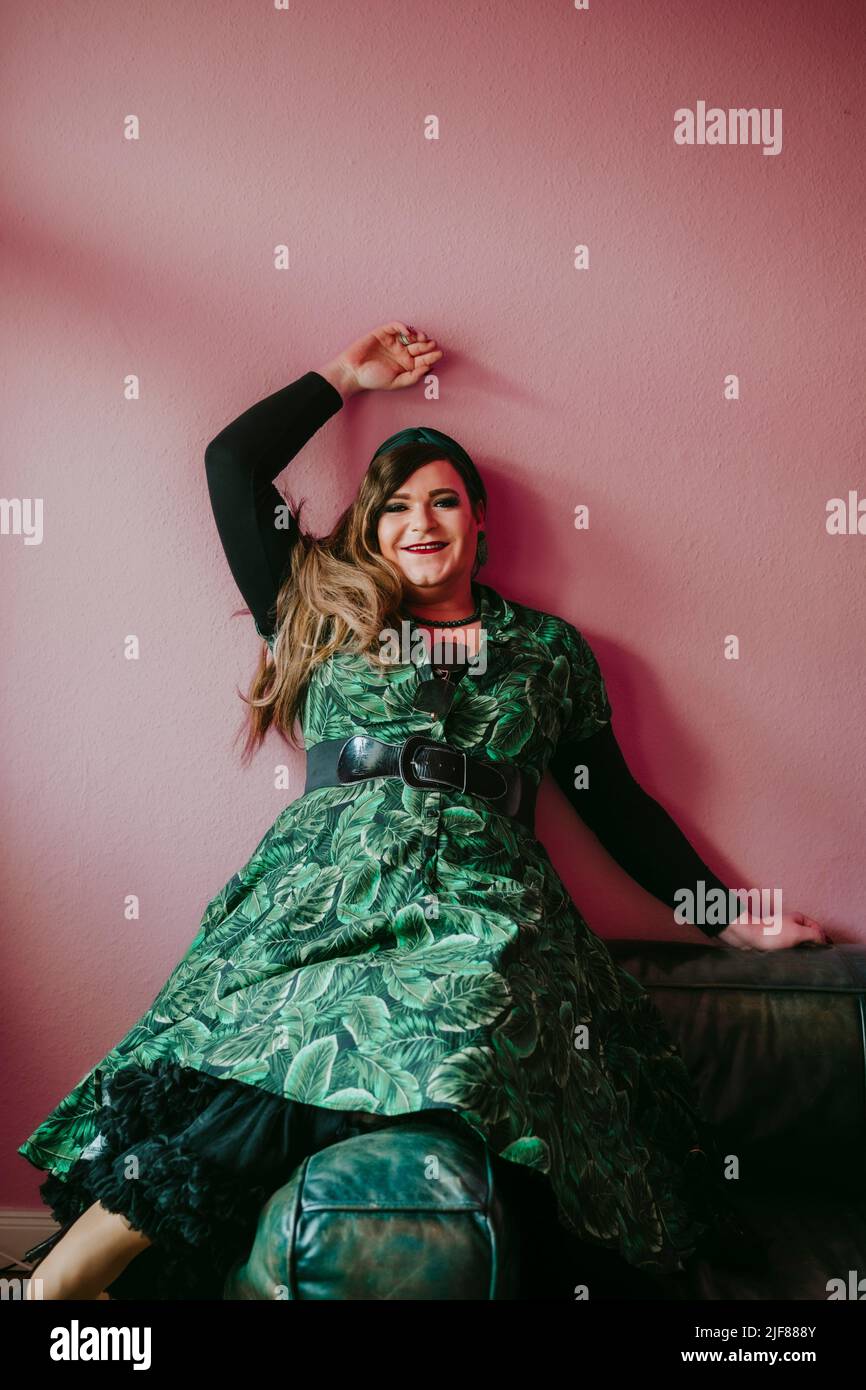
399, 940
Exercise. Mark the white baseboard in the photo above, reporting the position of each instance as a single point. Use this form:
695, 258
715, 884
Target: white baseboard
22, 1227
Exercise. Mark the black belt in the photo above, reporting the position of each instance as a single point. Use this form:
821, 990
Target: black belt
421, 762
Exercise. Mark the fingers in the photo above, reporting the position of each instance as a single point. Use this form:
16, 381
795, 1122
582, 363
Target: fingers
418, 369
427, 358
397, 328
415, 355
821, 936
418, 340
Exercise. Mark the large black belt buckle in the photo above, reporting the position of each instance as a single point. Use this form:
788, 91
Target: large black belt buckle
406, 768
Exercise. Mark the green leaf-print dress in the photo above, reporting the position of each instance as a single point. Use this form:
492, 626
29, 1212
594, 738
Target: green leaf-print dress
394, 949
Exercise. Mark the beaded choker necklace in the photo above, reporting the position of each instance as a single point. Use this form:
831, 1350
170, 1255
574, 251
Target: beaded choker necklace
444, 622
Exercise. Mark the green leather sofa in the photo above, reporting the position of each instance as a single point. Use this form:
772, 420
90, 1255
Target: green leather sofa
776, 1042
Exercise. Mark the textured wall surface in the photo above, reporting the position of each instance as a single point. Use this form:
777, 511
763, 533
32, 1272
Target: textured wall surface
153, 257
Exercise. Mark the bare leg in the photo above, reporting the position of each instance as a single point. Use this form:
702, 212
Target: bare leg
94, 1252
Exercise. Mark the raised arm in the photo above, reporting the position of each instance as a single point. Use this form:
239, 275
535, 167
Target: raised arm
241, 463
244, 458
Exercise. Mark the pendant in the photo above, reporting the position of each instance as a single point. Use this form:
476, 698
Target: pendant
435, 696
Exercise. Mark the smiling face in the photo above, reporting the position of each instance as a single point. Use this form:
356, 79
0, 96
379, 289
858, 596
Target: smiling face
429, 530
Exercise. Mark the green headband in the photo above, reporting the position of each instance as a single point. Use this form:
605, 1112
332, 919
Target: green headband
422, 435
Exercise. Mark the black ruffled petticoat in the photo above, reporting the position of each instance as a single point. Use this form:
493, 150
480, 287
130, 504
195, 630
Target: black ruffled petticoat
209, 1152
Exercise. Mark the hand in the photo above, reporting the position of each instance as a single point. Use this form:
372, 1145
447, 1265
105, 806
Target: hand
380, 362
795, 929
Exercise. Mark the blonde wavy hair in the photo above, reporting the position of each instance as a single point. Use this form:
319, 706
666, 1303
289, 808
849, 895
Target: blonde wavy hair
339, 592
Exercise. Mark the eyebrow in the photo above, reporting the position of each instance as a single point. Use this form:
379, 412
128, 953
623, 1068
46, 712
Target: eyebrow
434, 492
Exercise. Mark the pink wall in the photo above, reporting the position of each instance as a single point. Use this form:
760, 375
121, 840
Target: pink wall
154, 257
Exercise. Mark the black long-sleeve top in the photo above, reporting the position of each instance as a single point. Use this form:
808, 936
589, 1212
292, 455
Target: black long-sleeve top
241, 463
